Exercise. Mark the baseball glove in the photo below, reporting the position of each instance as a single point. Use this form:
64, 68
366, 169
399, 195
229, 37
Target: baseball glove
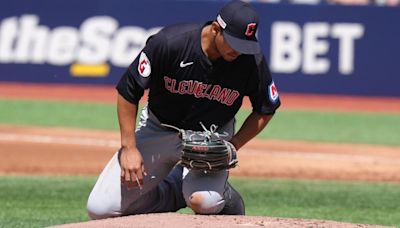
206, 150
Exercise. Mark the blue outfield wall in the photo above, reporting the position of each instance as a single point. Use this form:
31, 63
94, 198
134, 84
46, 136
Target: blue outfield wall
323, 49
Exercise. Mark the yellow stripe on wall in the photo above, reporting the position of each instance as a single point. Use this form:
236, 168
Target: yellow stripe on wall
83, 70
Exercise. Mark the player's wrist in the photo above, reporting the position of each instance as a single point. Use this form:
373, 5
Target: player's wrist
128, 146
235, 143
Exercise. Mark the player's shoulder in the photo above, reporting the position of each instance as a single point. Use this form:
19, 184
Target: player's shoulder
180, 35
180, 30
177, 32
174, 37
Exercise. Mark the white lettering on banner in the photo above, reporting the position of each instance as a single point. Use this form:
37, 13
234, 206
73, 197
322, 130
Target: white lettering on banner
30, 40
8, 32
314, 47
294, 48
347, 33
98, 40
62, 45
285, 51
128, 42
96, 35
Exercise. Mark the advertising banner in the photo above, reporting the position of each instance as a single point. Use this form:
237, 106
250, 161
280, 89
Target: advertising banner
311, 49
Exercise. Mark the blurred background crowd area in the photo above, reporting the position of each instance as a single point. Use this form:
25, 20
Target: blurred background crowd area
394, 3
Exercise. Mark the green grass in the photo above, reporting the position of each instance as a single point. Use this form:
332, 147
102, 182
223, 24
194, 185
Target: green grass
60, 114
367, 128
45, 201
288, 125
339, 201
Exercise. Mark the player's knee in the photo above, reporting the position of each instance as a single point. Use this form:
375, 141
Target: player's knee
98, 209
206, 202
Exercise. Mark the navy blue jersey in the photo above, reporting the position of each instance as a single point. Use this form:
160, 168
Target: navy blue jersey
185, 87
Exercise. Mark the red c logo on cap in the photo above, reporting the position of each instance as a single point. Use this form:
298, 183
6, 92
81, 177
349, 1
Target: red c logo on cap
251, 28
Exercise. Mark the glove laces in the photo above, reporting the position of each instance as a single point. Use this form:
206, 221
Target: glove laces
212, 132
207, 133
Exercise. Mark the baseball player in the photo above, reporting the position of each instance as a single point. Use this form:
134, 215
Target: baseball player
195, 73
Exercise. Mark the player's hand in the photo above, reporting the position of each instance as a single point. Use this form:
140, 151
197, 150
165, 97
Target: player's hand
132, 168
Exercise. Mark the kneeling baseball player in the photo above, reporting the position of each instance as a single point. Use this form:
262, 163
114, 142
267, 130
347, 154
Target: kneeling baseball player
185, 143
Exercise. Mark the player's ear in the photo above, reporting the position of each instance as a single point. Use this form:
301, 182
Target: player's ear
215, 28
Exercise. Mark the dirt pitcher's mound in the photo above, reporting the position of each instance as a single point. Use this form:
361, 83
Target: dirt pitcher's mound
175, 220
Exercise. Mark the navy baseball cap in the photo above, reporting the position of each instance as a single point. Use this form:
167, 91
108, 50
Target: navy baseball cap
239, 22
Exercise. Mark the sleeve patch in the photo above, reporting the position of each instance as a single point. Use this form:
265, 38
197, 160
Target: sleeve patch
144, 66
273, 92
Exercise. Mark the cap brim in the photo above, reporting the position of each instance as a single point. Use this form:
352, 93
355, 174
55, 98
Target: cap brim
247, 47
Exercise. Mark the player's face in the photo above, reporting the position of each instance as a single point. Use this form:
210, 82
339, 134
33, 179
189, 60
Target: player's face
224, 49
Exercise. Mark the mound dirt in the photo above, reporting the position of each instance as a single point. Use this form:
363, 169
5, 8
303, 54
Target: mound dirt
174, 220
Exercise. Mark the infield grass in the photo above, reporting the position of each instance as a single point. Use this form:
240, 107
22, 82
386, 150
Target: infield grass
38, 201
367, 128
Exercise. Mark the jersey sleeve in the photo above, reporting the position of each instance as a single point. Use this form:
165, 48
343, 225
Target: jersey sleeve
263, 92
147, 65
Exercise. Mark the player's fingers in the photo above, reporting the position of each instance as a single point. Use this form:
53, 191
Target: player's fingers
135, 180
127, 176
143, 171
122, 177
126, 179
139, 175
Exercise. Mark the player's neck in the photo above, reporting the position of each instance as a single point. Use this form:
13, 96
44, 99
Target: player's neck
208, 44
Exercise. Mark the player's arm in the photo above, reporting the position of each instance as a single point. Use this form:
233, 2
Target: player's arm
131, 160
264, 99
130, 90
132, 167
253, 125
